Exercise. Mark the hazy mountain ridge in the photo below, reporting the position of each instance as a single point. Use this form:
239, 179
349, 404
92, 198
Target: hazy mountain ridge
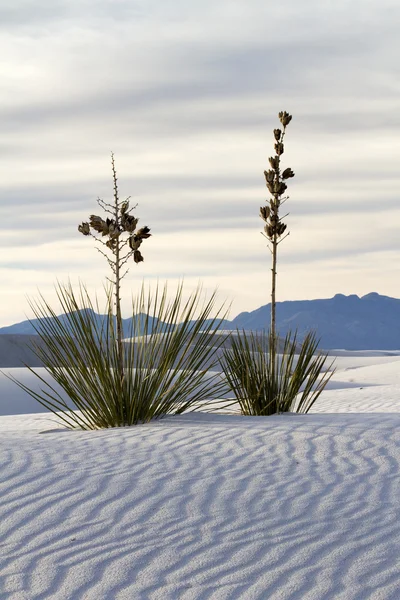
370, 322
28, 327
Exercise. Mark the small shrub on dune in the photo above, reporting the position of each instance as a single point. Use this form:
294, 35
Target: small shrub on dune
262, 381
165, 371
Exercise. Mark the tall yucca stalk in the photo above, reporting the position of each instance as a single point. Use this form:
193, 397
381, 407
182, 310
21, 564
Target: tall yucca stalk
274, 227
263, 381
123, 242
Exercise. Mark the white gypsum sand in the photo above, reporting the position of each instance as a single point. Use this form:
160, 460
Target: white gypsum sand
293, 507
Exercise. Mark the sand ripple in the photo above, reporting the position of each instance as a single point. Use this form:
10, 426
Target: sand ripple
203, 507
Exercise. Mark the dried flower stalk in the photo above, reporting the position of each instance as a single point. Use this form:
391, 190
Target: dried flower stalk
274, 227
123, 240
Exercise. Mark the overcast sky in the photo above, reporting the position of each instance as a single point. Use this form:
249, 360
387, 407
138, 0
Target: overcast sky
186, 94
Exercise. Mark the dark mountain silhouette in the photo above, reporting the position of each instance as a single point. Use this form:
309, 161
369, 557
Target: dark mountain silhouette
29, 327
16, 350
371, 322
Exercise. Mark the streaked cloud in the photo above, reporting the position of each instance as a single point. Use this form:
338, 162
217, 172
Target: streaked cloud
186, 95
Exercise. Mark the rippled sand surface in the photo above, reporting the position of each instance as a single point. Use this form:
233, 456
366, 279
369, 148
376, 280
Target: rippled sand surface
202, 507
209, 507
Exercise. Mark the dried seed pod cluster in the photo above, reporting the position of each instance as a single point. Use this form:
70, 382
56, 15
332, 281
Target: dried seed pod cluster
113, 228
274, 179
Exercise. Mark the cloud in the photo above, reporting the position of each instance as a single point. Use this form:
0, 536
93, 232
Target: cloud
186, 95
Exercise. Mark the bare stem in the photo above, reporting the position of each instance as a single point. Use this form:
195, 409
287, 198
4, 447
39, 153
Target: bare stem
120, 348
108, 208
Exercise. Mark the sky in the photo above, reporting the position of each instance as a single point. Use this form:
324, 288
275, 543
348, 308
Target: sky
186, 95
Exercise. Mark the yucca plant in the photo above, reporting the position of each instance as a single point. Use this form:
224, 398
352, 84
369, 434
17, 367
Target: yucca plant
108, 382
124, 239
171, 346
264, 383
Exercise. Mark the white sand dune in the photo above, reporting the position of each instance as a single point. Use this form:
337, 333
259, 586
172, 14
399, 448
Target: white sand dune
216, 507
363, 384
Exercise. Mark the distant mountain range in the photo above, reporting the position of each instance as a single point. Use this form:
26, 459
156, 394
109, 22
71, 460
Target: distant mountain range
371, 322
29, 327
